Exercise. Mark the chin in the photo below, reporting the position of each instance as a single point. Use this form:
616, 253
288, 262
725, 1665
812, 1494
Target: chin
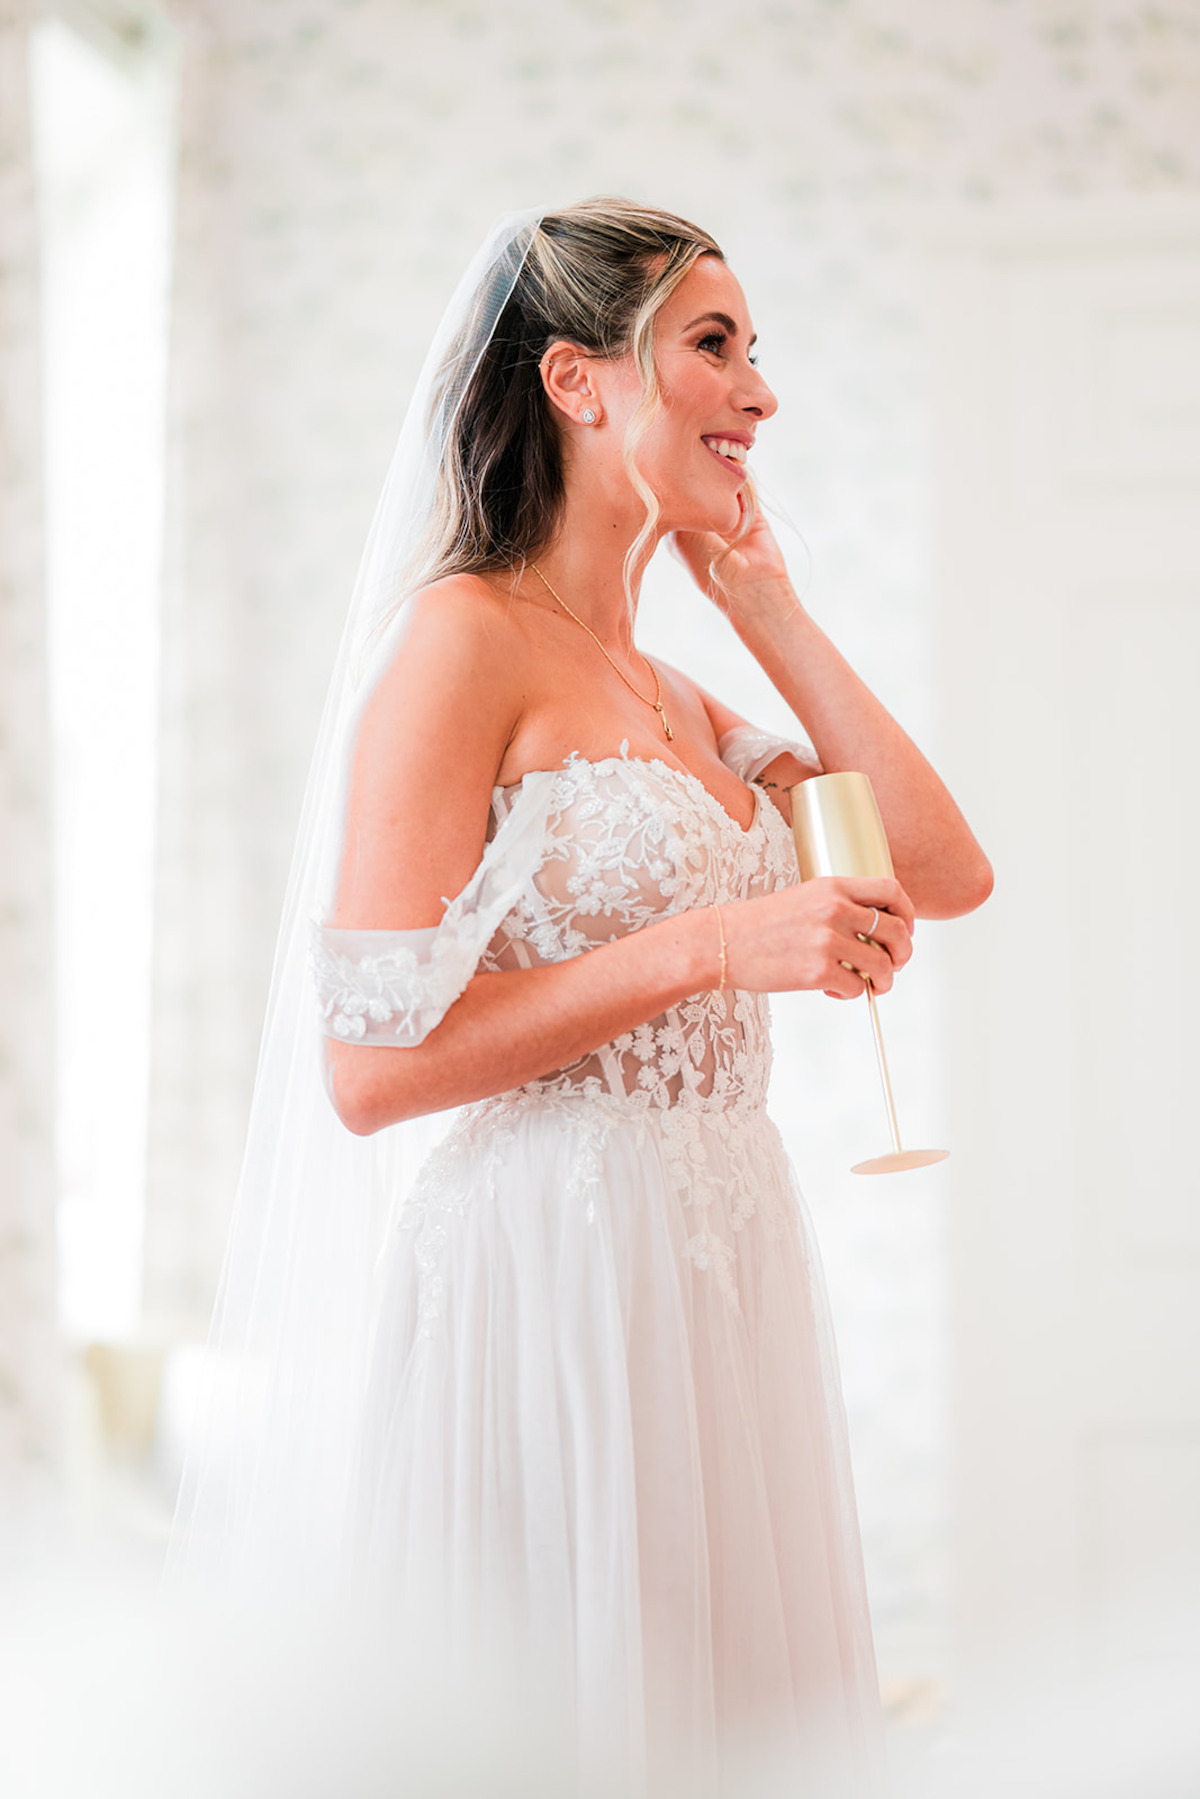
705, 502
722, 519
725, 521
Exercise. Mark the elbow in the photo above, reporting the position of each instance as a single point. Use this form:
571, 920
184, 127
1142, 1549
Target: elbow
355, 1091
354, 1107
953, 890
361, 1121
971, 887
371, 1086
977, 884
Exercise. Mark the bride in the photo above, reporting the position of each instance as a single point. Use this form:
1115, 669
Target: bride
596, 1407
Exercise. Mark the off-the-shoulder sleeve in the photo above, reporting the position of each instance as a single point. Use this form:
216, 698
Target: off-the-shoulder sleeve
394, 987
747, 750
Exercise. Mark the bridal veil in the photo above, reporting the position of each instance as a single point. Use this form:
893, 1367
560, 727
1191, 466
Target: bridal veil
266, 1491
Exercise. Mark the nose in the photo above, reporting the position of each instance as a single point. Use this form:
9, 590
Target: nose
758, 399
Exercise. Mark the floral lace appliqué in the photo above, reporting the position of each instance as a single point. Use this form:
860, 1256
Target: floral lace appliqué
626, 842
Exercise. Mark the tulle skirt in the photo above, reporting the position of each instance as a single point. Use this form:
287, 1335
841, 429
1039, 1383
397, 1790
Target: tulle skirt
604, 1425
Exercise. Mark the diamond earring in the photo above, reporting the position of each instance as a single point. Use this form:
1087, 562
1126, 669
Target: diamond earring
589, 417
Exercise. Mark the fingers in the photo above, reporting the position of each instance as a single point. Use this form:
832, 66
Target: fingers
878, 912
870, 939
869, 960
888, 932
697, 550
881, 895
826, 934
879, 943
850, 985
857, 962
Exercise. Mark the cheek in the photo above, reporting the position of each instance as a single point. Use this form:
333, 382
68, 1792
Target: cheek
672, 445
691, 489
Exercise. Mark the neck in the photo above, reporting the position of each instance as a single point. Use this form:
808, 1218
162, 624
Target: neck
585, 562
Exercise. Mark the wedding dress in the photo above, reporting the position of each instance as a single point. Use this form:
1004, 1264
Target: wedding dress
587, 1395
603, 1401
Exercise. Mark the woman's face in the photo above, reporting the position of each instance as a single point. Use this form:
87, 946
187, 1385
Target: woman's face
713, 400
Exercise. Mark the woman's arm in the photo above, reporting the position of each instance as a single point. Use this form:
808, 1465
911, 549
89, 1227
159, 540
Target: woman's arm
431, 740
511, 1028
936, 857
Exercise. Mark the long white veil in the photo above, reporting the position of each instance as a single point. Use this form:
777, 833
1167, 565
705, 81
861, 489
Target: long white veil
267, 1484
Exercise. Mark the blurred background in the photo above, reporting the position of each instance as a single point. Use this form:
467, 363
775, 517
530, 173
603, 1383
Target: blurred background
969, 231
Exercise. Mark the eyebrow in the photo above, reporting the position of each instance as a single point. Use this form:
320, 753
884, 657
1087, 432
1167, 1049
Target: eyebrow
719, 318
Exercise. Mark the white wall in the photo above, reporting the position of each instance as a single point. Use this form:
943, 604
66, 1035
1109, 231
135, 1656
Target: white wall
1069, 433
27, 1350
341, 160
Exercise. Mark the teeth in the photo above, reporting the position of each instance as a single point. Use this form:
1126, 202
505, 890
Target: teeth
735, 452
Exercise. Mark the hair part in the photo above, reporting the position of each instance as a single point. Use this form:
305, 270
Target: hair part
596, 275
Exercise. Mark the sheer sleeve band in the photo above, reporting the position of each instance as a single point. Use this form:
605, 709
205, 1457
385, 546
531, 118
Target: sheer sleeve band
747, 751
394, 987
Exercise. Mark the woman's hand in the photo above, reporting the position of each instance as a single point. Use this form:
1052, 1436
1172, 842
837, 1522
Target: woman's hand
810, 937
933, 849
751, 583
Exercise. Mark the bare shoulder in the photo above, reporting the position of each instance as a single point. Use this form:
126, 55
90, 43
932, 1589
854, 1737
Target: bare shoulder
458, 628
430, 741
474, 602
453, 673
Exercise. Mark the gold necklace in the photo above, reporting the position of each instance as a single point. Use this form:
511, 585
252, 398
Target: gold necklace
656, 702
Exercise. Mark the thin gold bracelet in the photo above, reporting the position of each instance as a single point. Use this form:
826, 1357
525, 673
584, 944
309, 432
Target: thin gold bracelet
724, 957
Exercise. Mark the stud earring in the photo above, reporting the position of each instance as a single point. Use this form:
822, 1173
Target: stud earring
589, 417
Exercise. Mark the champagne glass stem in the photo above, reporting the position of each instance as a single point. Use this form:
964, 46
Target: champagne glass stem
884, 1076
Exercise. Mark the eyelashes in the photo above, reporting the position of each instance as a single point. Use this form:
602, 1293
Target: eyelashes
716, 341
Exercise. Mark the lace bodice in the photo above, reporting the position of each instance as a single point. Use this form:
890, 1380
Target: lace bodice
575, 857
628, 841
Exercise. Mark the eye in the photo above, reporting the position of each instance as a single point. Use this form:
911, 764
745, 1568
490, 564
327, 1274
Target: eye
715, 341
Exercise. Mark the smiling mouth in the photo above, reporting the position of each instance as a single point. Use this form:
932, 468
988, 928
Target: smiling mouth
727, 449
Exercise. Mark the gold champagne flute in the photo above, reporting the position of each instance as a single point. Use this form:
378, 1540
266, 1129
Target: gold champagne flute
838, 831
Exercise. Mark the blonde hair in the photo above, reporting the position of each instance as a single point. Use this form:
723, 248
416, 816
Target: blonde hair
597, 275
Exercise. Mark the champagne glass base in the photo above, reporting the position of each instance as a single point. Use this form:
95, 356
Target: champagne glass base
899, 1160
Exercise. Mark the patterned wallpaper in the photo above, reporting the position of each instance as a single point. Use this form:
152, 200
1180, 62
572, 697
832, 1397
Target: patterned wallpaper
341, 160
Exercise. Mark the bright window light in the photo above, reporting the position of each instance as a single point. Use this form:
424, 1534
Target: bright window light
103, 149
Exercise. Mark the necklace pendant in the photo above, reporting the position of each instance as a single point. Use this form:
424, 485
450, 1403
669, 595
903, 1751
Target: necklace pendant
656, 702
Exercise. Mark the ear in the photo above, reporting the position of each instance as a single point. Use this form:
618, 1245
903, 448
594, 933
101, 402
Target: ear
566, 372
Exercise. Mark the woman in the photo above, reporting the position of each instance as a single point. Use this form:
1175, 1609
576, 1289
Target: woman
601, 1413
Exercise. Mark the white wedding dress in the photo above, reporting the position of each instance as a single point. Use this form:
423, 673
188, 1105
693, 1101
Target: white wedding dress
604, 1402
